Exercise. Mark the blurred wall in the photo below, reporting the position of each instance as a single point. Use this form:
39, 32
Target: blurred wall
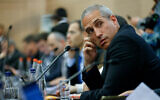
25, 15
121, 7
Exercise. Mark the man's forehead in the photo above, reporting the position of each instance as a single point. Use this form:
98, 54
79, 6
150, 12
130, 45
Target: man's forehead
90, 17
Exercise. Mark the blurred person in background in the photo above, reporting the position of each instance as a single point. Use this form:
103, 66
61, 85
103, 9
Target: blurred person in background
1, 36
10, 51
56, 43
44, 49
1, 32
149, 35
74, 60
137, 21
60, 19
30, 47
156, 7
75, 57
42, 43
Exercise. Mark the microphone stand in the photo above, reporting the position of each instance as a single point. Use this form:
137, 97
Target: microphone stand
67, 48
76, 74
90, 66
6, 58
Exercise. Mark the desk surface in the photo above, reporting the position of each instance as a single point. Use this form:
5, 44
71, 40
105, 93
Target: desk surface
113, 97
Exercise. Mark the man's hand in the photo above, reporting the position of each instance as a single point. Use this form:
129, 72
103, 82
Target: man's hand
85, 87
2, 55
14, 71
126, 93
89, 51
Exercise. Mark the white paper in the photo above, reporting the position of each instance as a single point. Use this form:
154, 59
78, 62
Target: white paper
143, 92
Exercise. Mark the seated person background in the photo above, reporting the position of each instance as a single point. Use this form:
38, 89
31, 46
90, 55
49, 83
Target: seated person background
151, 37
56, 43
2, 33
30, 47
10, 61
61, 21
75, 57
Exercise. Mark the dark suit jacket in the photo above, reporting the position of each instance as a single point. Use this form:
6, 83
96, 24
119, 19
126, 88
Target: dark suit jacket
55, 70
13, 60
62, 28
133, 62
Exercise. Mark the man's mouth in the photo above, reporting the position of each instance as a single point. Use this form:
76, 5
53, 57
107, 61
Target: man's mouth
69, 42
102, 42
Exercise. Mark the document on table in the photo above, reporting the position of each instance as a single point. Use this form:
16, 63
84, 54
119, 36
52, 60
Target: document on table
143, 92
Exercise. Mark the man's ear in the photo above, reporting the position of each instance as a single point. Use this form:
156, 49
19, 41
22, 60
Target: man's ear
63, 42
114, 19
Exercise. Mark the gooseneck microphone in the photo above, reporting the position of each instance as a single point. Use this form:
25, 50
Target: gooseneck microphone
67, 48
7, 38
87, 67
76, 74
110, 61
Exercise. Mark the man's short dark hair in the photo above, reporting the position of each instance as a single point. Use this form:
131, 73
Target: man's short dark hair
121, 20
79, 24
30, 38
59, 13
42, 36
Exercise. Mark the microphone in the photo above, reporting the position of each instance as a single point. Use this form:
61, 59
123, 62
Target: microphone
75, 49
89, 66
10, 27
76, 74
6, 58
110, 61
55, 49
67, 48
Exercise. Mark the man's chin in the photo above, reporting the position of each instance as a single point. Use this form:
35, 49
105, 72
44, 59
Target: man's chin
105, 46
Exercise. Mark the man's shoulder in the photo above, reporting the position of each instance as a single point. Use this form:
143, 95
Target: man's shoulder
126, 35
126, 32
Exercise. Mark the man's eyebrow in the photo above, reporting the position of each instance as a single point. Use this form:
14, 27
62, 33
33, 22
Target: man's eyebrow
96, 21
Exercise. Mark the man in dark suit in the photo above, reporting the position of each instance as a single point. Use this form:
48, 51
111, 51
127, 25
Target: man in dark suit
60, 18
130, 59
75, 57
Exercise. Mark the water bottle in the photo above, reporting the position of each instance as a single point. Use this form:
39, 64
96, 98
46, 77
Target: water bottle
1, 91
20, 64
20, 67
32, 75
42, 82
64, 88
34, 63
38, 69
9, 91
28, 65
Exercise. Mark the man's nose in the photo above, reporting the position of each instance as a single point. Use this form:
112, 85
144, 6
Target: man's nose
68, 36
98, 32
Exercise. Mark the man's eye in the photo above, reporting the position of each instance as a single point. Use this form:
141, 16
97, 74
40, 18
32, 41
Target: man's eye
90, 30
99, 24
71, 32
